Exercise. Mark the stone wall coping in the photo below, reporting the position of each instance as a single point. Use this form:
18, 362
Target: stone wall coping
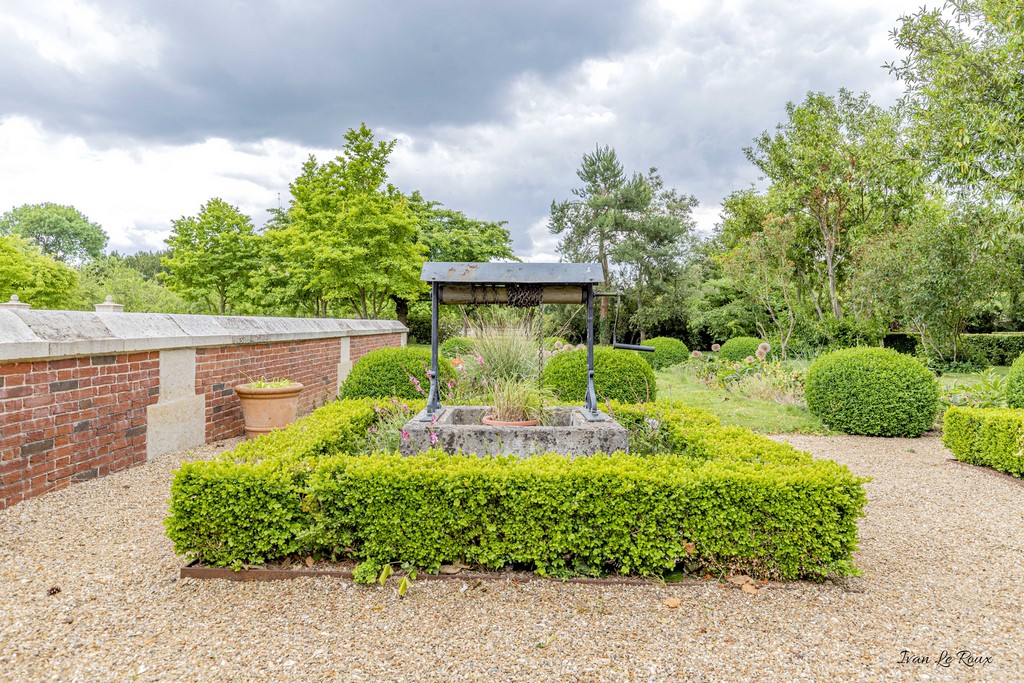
35, 334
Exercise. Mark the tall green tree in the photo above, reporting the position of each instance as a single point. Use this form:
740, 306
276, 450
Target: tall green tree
114, 276
36, 278
62, 232
839, 168
212, 256
962, 72
933, 276
350, 238
613, 218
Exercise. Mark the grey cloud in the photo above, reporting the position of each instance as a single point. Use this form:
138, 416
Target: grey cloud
306, 72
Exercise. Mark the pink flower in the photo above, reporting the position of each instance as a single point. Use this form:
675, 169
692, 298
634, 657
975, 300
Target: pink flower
716, 347
433, 438
405, 434
480, 360
695, 354
373, 429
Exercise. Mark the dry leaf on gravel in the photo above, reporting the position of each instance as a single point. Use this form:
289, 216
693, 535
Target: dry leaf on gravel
672, 602
740, 579
309, 560
749, 589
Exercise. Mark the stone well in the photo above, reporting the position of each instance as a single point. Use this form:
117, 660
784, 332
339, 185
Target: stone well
566, 431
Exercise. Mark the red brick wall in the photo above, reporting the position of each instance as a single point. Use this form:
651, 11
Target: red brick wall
72, 419
360, 346
312, 363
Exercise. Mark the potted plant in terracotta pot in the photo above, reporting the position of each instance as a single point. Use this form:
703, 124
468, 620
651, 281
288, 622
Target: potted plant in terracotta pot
516, 402
268, 404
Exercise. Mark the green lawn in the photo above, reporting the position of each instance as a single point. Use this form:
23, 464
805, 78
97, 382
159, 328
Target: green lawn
966, 379
733, 409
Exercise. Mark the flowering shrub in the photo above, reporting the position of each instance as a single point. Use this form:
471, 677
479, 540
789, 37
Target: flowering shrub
754, 377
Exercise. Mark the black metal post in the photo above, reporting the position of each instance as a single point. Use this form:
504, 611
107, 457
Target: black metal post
434, 397
591, 404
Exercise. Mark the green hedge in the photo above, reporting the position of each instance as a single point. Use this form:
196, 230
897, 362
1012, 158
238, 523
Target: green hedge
385, 372
1015, 384
739, 348
618, 376
667, 352
745, 502
993, 437
992, 349
456, 347
872, 391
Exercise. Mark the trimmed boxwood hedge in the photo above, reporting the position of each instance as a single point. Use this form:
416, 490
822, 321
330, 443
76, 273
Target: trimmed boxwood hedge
385, 372
618, 376
997, 348
1015, 384
667, 352
455, 347
744, 502
993, 437
872, 391
739, 348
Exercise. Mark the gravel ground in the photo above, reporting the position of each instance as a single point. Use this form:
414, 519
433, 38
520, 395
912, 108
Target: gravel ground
942, 556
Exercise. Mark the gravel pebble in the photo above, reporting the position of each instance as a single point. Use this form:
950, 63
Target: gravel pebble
942, 558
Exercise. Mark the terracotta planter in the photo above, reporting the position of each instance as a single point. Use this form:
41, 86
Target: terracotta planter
488, 420
267, 409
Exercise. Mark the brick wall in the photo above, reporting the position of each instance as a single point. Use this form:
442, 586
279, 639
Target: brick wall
360, 346
72, 419
314, 364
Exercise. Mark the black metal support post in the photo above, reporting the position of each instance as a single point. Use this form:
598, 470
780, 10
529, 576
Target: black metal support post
434, 397
591, 404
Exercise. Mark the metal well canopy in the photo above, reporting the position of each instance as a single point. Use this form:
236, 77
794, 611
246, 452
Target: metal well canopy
512, 284
579, 274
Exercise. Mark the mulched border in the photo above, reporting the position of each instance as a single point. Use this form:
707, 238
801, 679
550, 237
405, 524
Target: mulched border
194, 570
990, 471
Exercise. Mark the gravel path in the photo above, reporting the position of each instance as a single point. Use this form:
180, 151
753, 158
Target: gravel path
942, 556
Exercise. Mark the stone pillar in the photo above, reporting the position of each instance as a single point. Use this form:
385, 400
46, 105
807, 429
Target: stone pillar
344, 361
178, 419
109, 306
14, 304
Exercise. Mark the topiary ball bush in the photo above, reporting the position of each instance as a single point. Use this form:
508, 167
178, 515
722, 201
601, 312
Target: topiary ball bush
385, 372
872, 391
618, 376
456, 347
739, 348
1015, 384
667, 352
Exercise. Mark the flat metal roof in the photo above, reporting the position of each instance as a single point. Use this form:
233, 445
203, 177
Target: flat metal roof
506, 273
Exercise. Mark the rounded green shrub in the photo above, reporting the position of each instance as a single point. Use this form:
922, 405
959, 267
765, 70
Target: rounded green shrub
385, 372
1015, 384
456, 347
668, 351
739, 348
872, 391
618, 376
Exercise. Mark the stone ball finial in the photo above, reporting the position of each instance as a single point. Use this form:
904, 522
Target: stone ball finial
14, 297
110, 298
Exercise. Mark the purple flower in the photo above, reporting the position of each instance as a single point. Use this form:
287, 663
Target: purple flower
480, 360
373, 429
433, 438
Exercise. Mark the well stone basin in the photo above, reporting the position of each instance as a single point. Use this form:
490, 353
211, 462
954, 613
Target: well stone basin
458, 429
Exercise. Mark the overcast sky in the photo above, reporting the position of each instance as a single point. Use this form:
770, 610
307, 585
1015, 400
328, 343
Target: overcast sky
139, 111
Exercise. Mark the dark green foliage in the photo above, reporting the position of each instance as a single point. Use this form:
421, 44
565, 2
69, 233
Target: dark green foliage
418, 322
667, 352
739, 348
872, 391
1015, 384
993, 349
744, 502
993, 437
618, 376
456, 347
385, 372
902, 342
